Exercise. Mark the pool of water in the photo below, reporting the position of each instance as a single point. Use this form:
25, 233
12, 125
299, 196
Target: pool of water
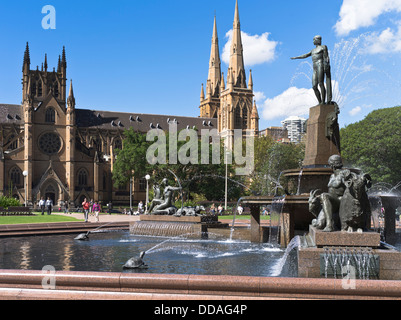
109, 251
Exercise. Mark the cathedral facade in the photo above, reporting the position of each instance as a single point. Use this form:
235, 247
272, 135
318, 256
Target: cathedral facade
51, 149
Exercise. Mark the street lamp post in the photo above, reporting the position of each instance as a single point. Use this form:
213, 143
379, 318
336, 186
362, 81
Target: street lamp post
147, 177
130, 194
25, 174
226, 185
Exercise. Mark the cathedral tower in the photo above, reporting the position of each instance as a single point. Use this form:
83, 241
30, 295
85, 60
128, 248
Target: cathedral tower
48, 125
210, 103
231, 104
237, 108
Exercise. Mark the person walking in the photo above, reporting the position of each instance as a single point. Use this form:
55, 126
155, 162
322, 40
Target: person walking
66, 207
42, 205
85, 208
91, 203
49, 205
96, 210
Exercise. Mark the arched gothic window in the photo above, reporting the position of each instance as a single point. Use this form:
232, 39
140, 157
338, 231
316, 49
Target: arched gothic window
16, 177
237, 116
50, 115
33, 89
40, 89
56, 92
82, 178
245, 119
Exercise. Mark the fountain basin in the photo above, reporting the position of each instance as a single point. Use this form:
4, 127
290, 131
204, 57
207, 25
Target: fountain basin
17, 284
303, 181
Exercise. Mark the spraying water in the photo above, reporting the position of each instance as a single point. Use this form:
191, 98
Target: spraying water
279, 266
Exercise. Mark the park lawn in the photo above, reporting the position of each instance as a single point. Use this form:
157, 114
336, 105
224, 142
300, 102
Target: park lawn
36, 219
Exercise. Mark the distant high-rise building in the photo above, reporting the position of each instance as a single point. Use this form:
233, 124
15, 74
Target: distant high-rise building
296, 127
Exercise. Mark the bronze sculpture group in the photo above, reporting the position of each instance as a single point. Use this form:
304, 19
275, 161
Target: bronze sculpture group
346, 205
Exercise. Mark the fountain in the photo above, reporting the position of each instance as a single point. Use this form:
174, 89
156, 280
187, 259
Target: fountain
339, 241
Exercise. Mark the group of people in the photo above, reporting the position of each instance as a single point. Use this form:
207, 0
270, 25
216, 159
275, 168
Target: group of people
91, 208
219, 209
46, 205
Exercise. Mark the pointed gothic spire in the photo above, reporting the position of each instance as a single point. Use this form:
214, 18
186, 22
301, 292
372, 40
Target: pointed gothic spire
250, 82
202, 95
71, 98
237, 56
27, 58
215, 63
222, 85
45, 65
255, 113
63, 59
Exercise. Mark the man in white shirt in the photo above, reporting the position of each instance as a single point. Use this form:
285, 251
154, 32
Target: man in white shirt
42, 204
49, 205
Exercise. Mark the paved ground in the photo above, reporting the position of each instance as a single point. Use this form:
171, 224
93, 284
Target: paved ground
102, 217
123, 217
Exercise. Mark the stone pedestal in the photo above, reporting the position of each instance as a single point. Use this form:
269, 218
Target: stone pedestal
316, 259
344, 239
322, 137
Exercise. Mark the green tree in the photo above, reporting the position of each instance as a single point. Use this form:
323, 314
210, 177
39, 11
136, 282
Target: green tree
203, 179
131, 160
273, 159
373, 145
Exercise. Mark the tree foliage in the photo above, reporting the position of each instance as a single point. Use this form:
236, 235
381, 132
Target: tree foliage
374, 145
6, 202
271, 159
131, 160
204, 179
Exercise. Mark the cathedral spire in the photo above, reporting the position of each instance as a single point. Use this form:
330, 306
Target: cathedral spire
45, 65
71, 98
27, 58
237, 52
250, 82
64, 59
215, 64
202, 95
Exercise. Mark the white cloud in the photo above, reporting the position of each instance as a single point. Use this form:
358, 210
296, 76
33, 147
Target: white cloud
355, 14
292, 102
258, 49
363, 108
387, 41
355, 111
259, 96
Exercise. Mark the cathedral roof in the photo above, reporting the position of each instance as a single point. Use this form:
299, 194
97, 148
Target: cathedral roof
11, 113
138, 121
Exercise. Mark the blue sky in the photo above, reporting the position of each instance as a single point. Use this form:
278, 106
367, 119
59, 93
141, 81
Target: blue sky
152, 56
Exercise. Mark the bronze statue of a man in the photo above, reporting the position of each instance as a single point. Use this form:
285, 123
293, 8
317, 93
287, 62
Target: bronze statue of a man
321, 67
